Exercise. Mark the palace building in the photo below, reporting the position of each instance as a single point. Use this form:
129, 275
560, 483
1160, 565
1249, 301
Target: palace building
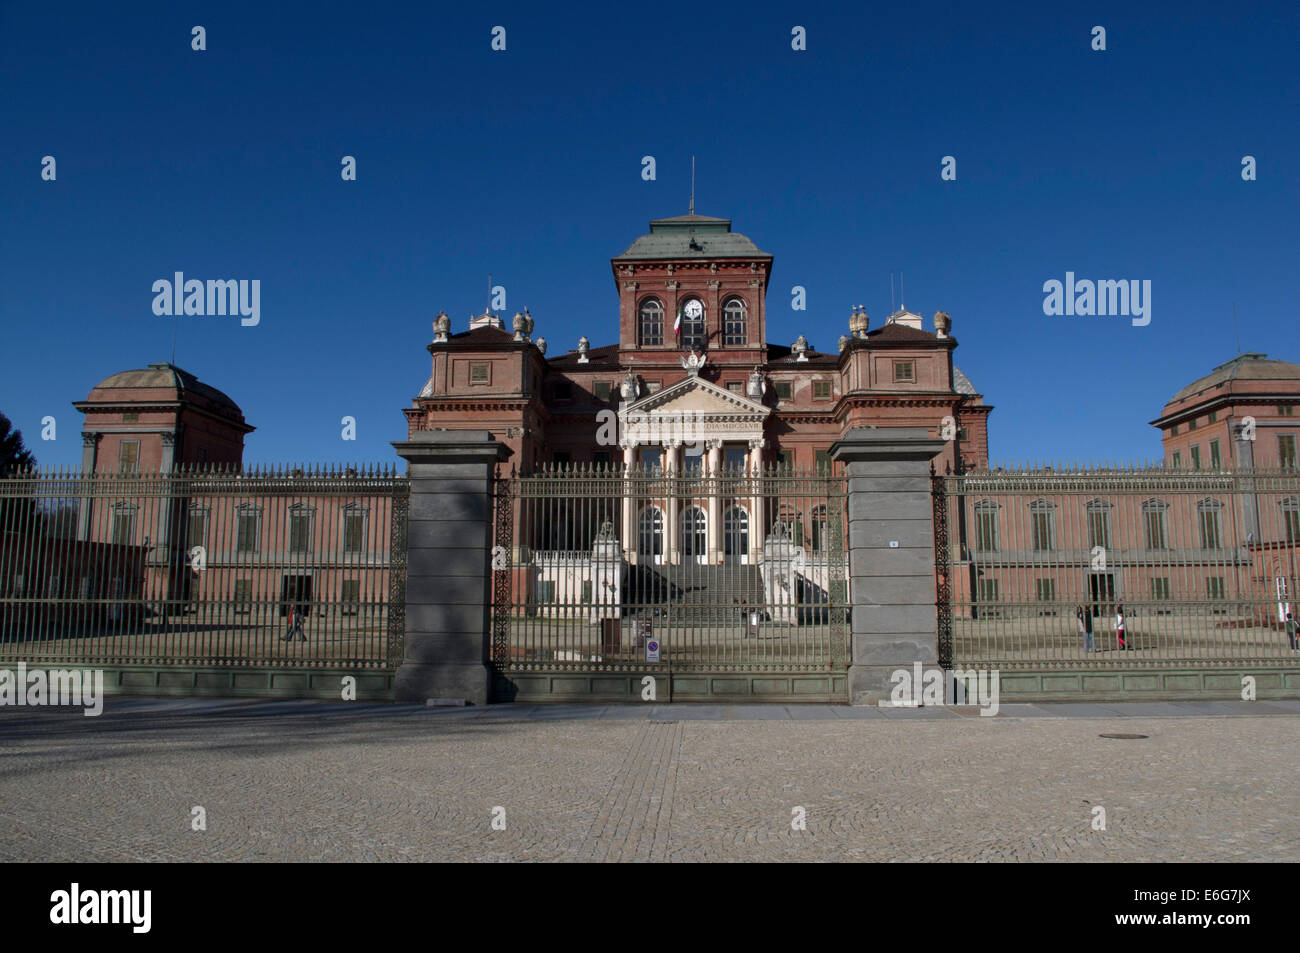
692, 354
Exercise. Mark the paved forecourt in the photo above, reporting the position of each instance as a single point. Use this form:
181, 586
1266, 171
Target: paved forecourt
303, 781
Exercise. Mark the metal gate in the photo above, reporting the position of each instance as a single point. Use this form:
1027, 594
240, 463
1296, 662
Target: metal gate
639, 583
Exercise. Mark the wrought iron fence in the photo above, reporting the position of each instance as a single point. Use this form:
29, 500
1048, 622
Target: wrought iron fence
274, 567
724, 571
1118, 567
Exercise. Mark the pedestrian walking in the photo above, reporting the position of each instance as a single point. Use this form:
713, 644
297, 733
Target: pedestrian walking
1084, 620
1293, 632
295, 624
1119, 627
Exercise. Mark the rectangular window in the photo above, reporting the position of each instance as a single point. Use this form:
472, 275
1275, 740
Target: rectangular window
243, 596
300, 533
786, 460
351, 596
821, 390
123, 528
784, 390
733, 458
1209, 529
1214, 415
1214, 588
198, 528
546, 591
1291, 520
986, 531
1178, 460
988, 590
1046, 590
478, 374
736, 387
602, 391
1160, 588
904, 372
1042, 532
354, 531
586, 592
246, 532
823, 461
1215, 461
693, 462
652, 387
1098, 528
1285, 410
1155, 525
1286, 455
1173, 431
128, 456
1196, 458
652, 460
1191, 425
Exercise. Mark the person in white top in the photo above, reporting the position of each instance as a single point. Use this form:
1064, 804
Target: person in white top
1119, 627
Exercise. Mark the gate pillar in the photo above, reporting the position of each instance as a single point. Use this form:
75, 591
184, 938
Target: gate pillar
891, 554
449, 565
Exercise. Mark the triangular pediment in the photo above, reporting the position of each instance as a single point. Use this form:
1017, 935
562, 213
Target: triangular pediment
698, 396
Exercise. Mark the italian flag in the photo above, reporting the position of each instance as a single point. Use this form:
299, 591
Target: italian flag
677, 325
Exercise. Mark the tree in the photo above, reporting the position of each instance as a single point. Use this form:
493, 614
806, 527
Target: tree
13, 455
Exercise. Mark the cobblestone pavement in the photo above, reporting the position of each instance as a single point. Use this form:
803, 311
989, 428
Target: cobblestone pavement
304, 781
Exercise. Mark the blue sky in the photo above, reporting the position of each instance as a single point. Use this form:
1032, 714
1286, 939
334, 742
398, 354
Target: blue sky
526, 164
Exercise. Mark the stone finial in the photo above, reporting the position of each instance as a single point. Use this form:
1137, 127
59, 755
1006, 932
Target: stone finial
541, 346
528, 324
518, 325
800, 348
942, 324
859, 323
441, 327
584, 346
844, 342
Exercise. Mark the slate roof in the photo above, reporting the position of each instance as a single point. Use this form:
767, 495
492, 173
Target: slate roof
1250, 366
692, 236
167, 376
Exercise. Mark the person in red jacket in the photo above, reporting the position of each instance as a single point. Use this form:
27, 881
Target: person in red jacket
1119, 627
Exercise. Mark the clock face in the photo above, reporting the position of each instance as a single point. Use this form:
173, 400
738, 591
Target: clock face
693, 309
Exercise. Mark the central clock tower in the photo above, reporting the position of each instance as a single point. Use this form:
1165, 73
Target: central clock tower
692, 284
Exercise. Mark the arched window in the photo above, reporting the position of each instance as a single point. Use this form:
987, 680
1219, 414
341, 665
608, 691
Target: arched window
691, 332
651, 536
735, 532
650, 323
733, 323
695, 541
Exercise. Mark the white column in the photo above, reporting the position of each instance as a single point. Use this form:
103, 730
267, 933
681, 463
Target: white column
671, 518
757, 524
716, 549
630, 527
